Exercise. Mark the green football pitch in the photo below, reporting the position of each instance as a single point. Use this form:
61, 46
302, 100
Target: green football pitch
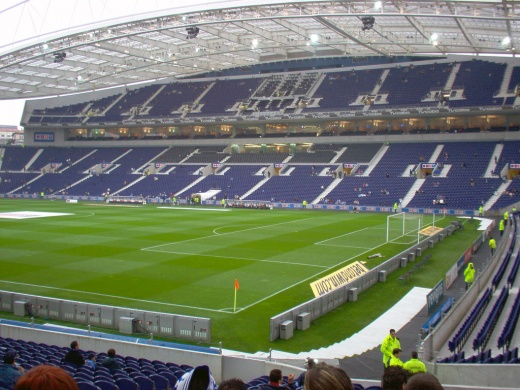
185, 260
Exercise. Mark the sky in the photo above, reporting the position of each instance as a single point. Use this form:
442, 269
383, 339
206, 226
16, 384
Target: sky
11, 112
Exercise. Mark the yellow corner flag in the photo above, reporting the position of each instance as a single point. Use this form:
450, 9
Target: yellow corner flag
237, 286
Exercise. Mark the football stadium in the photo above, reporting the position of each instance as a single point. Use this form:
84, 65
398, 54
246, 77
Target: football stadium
262, 191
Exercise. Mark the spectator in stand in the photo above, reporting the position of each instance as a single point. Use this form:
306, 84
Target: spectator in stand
276, 381
423, 381
309, 364
388, 345
10, 372
394, 378
74, 356
110, 361
232, 384
46, 377
414, 365
91, 361
327, 377
199, 378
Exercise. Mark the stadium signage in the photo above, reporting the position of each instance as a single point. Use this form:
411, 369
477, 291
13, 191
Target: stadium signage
428, 165
43, 136
338, 279
435, 296
279, 165
514, 166
349, 165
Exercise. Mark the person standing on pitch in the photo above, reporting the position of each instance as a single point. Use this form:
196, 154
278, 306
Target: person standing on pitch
388, 345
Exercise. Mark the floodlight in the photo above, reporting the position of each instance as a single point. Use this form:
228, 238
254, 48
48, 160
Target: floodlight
192, 32
368, 22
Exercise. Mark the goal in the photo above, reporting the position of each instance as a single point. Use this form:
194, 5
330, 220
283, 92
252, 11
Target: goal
403, 227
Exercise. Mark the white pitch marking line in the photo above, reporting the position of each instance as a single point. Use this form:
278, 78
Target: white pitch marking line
113, 296
223, 234
342, 235
239, 258
304, 280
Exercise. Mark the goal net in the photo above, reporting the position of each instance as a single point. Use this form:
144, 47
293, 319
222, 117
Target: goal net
403, 227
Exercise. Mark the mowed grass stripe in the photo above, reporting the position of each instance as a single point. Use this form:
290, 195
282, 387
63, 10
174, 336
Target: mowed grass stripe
95, 255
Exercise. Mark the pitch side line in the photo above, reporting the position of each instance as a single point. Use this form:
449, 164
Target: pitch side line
113, 296
239, 258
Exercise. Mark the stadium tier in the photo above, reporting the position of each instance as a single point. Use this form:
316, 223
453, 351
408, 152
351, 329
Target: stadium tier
356, 174
430, 85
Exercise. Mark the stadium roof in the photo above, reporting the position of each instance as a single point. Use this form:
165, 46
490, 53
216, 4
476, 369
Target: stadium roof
121, 42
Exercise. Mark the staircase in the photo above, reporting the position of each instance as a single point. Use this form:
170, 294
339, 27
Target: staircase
505, 81
375, 160
254, 188
338, 155
452, 76
492, 165
411, 193
435, 155
327, 191
33, 159
491, 201
315, 86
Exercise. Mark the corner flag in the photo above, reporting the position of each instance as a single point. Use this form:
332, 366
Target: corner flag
237, 286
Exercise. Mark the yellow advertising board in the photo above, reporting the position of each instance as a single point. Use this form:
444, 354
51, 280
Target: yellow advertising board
338, 278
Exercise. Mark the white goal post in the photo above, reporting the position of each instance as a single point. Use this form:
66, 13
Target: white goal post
403, 225
410, 225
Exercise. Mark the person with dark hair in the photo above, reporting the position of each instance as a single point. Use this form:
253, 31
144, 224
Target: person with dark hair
396, 358
74, 356
199, 378
232, 384
309, 364
46, 377
9, 371
414, 365
388, 345
110, 361
276, 381
91, 361
394, 378
327, 377
423, 381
